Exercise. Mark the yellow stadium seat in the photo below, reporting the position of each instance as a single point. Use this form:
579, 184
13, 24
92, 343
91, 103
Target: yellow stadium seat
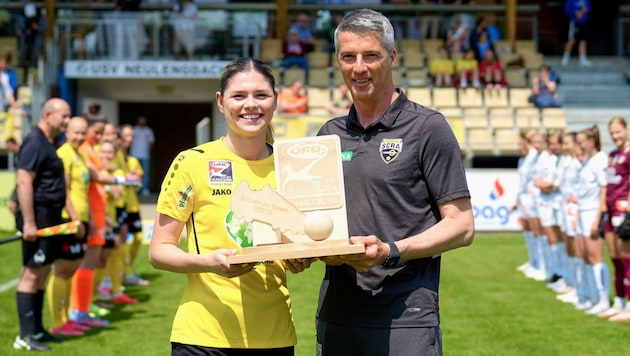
480, 140
519, 97
431, 45
501, 118
554, 118
524, 46
444, 97
318, 97
506, 140
516, 77
413, 59
496, 98
271, 50
319, 77
421, 96
292, 74
417, 77
470, 97
527, 118
318, 59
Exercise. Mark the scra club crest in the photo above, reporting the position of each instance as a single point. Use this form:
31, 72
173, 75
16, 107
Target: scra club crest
390, 149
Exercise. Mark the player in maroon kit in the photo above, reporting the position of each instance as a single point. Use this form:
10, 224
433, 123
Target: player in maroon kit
617, 197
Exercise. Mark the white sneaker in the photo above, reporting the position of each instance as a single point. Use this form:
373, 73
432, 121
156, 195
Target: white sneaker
523, 267
565, 61
570, 297
535, 274
539, 276
585, 62
600, 307
584, 305
560, 283
612, 311
563, 289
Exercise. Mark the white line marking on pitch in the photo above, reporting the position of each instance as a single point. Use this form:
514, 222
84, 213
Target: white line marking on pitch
10, 284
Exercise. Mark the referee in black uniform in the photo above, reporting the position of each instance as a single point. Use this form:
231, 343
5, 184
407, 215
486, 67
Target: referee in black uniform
41, 191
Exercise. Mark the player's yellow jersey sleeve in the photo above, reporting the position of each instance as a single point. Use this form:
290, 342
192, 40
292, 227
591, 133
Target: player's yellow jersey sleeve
251, 311
133, 166
79, 177
119, 161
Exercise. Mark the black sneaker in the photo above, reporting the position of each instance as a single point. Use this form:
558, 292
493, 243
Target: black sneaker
28, 343
45, 336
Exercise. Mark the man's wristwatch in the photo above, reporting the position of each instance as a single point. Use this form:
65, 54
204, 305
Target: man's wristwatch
394, 256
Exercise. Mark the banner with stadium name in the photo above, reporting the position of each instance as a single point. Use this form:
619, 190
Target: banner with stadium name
144, 69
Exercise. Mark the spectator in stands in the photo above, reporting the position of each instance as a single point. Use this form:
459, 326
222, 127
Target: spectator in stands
430, 23
331, 33
340, 105
94, 112
294, 52
305, 33
7, 97
184, 28
4, 68
483, 25
544, 87
293, 100
578, 12
141, 149
491, 71
133, 33
467, 69
441, 69
30, 30
482, 45
457, 36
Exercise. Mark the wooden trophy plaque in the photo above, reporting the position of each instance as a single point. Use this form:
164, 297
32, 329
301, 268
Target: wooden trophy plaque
306, 215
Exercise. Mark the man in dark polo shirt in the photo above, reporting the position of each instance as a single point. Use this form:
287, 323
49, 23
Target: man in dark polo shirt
41, 192
407, 201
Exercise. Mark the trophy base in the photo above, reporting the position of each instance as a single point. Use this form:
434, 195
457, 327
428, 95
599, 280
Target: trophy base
296, 250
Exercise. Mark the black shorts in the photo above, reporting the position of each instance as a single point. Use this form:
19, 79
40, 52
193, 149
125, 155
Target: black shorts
134, 222
110, 239
336, 339
44, 250
72, 247
178, 349
577, 31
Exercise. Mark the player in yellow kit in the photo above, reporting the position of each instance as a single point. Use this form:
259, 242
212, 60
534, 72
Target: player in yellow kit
115, 243
225, 309
132, 209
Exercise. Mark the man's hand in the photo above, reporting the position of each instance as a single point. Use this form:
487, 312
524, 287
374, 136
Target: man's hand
375, 253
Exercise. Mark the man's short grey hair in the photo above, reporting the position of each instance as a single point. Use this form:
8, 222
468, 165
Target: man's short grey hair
366, 21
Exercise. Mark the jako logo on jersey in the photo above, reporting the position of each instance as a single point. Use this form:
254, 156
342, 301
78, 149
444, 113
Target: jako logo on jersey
390, 149
220, 172
183, 197
497, 191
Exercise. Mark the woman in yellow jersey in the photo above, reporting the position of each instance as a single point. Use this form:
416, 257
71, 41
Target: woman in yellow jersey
78, 175
113, 258
226, 309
